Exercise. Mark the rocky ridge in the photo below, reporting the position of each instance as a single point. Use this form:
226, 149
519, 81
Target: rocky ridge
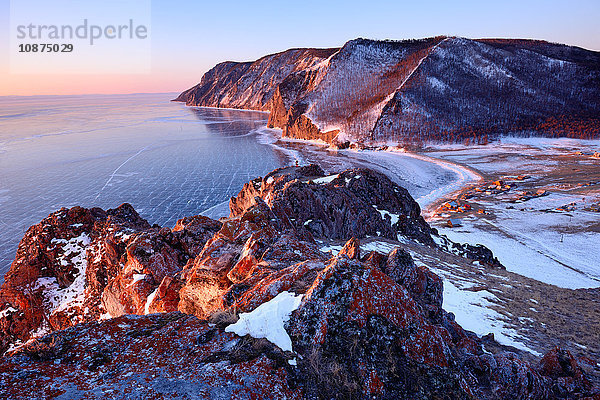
442, 88
101, 303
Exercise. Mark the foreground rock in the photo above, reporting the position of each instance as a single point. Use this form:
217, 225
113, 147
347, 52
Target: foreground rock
368, 324
159, 356
82, 265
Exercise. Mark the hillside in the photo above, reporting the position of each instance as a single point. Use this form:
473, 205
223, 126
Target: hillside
442, 89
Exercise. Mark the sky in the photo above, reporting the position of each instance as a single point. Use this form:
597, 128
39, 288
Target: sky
189, 37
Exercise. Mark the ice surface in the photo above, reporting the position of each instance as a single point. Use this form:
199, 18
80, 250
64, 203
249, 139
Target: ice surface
218, 211
334, 249
267, 320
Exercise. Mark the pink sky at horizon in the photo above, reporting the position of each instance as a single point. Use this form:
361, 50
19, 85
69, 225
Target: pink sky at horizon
188, 38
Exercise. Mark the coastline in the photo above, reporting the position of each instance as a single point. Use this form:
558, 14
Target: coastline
223, 108
381, 160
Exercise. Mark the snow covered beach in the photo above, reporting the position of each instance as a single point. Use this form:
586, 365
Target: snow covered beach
548, 238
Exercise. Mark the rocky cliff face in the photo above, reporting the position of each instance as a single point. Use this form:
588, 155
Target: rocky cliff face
442, 88
251, 85
75, 304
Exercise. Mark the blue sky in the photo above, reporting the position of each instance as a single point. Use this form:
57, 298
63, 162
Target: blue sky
189, 37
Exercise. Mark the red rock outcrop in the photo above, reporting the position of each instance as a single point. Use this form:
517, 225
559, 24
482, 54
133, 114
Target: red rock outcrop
369, 326
79, 265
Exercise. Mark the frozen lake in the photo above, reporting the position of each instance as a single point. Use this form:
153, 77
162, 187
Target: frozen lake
167, 160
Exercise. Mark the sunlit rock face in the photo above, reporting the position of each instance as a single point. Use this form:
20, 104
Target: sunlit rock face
75, 321
81, 265
442, 88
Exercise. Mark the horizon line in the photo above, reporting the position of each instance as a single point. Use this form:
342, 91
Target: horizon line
83, 94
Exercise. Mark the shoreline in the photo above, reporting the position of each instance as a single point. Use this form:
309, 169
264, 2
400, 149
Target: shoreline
465, 177
223, 108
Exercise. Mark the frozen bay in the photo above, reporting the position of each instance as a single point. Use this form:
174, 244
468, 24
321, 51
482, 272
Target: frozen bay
167, 160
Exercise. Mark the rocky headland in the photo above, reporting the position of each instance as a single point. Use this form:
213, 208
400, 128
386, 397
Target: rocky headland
102, 304
436, 89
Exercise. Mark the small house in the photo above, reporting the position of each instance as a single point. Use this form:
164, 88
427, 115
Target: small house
454, 223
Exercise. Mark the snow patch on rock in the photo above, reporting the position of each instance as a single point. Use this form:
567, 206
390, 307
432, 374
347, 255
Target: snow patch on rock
377, 246
149, 301
474, 312
137, 278
7, 311
394, 217
267, 320
334, 249
326, 179
73, 254
436, 83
